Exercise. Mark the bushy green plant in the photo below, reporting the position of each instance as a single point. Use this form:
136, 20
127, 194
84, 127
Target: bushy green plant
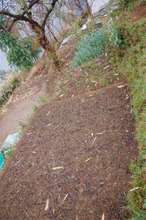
124, 4
91, 46
94, 44
114, 34
19, 52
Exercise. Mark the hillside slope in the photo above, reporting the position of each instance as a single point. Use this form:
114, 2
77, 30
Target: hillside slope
72, 163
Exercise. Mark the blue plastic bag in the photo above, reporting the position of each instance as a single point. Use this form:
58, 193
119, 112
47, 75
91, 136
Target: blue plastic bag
2, 160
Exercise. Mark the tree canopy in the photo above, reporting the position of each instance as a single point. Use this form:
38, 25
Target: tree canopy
34, 14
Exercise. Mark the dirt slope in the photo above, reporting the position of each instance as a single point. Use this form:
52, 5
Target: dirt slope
72, 164
20, 106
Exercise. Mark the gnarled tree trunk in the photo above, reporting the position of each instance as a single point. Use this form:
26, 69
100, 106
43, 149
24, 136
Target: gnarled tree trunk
46, 44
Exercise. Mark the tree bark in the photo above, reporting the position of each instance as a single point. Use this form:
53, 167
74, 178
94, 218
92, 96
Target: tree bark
39, 29
50, 50
46, 44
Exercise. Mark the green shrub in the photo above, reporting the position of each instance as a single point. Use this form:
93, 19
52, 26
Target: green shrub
91, 46
114, 34
124, 4
20, 53
94, 44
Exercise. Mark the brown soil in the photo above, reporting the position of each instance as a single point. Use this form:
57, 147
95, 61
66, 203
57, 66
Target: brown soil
90, 77
72, 163
140, 12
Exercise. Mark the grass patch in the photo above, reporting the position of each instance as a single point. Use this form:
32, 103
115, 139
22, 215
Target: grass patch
129, 60
90, 76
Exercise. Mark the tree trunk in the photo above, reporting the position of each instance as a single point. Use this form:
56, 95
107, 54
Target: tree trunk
46, 45
89, 11
50, 49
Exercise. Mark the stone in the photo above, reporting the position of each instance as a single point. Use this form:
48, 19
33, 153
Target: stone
11, 141
66, 40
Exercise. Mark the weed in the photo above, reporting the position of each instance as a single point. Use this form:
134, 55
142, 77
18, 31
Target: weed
43, 100
9, 152
35, 108
7, 90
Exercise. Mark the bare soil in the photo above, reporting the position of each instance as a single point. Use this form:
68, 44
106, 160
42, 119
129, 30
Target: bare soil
20, 106
72, 163
139, 12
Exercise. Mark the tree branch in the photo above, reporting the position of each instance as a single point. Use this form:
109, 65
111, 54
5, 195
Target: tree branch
49, 12
17, 17
20, 17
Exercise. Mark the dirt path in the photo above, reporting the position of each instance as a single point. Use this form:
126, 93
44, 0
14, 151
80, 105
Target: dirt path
72, 163
21, 105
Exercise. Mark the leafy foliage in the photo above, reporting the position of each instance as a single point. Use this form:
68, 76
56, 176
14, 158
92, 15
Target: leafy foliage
90, 46
19, 52
115, 35
94, 44
127, 3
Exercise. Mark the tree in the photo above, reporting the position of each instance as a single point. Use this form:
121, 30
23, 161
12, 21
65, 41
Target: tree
20, 53
39, 15
34, 13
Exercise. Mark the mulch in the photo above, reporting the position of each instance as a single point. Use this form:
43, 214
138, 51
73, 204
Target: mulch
73, 161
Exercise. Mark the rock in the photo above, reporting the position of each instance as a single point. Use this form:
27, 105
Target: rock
106, 8
97, 5
66, 40
103, 10
11, 141
84, 27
